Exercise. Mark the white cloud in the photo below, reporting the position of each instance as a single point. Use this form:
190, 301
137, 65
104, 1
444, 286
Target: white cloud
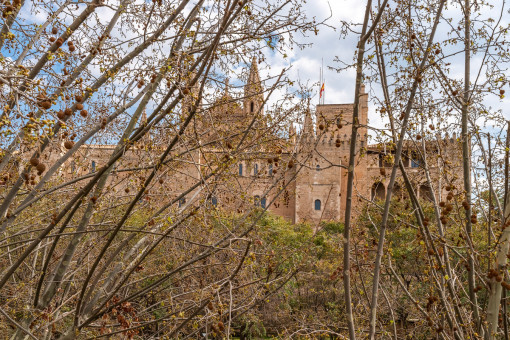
327, 44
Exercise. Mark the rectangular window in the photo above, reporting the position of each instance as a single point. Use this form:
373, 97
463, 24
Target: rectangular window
240, 169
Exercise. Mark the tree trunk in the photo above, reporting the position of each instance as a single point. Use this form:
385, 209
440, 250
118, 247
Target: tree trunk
495, 287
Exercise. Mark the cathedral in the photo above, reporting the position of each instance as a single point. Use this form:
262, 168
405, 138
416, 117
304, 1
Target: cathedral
303, 178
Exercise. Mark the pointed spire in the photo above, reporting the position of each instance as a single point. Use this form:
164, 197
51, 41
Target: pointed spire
253, 86
308, 124
253, 96
254, 77
292, 133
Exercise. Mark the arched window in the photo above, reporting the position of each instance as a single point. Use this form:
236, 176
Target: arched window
255, 169
214, 201
317, 204
318, 167
263, 202
270, 170
256, 200
252, 107
240, 169
378, 191
181, 202
93, 166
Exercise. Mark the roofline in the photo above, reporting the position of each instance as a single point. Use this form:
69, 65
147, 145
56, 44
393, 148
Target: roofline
342, 104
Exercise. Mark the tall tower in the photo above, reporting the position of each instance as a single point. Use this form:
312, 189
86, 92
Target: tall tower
253, 92
320, 189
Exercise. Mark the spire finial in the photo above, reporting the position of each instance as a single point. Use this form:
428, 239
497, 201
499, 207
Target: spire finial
253, 77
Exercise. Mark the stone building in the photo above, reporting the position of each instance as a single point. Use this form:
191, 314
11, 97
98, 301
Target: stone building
314, 187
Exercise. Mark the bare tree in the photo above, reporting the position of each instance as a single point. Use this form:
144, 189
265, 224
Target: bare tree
117, 155
408, 63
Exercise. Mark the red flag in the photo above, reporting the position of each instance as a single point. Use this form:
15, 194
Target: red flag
321, 91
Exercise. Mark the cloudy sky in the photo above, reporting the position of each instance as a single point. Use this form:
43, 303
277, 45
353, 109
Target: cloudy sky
328, 44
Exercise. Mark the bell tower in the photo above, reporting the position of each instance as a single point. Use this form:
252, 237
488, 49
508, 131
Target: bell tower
253, 92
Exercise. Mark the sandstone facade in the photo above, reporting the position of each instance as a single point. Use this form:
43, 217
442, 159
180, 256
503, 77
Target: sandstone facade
314, 188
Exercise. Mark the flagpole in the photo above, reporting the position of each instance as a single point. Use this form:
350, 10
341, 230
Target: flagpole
320, 84
322, 80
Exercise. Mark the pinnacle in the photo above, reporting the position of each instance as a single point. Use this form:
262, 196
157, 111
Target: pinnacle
254, 77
